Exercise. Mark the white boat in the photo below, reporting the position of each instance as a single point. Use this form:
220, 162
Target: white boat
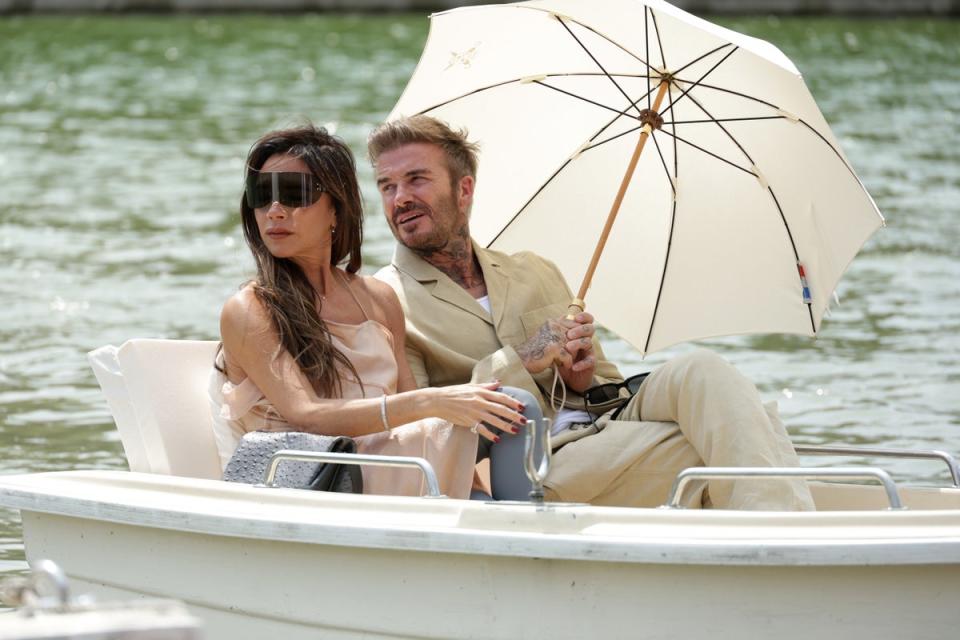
259, 562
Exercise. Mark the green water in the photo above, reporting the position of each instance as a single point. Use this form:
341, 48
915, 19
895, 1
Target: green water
121, 149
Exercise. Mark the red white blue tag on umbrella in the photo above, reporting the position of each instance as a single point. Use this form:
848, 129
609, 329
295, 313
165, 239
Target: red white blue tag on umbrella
807, 298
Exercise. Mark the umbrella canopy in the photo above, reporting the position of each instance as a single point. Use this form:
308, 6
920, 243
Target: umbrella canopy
742, 212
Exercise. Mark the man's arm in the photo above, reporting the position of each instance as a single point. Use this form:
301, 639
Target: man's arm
569, 344
455, 358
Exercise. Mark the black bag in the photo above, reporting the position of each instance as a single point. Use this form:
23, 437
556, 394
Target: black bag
250, 461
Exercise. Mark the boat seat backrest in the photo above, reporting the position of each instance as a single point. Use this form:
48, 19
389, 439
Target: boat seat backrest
106, 368
157, 392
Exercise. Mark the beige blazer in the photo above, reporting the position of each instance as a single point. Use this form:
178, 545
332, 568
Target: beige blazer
451, 339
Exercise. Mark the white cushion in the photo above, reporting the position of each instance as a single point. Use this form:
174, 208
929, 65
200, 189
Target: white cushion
165, 383
107, 370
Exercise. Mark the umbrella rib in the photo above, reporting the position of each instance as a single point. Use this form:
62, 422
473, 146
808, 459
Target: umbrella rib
529, 200
608, 125
709, 153
663, 277
686, 91
470, 93
800, 120
596, 73
646, 43
708, 121
832, 148
783, 217
597, 62
724, 129
562, 166
626, 133
656, 27
813, 323
610, 40
752, 162
619, 112
673, 221
611, 138
676, 157
663, 161
738, 93
644, 62
540, 82
699, 58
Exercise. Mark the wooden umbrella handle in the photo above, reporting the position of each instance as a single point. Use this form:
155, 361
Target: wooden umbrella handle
577, 304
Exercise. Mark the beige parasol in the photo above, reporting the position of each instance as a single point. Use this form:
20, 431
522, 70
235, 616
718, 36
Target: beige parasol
679, 171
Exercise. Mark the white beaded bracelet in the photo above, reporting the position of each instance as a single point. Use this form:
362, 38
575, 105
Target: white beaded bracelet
383, 412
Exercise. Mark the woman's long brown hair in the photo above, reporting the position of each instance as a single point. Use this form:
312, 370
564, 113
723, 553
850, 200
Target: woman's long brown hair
281, 286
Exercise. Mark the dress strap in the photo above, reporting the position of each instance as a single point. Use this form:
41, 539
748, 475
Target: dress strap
346, 284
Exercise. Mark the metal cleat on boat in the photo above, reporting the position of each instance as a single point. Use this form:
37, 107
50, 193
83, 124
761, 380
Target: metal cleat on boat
537, 473
45, 610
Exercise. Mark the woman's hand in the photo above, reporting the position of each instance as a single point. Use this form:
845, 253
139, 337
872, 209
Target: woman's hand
467, 405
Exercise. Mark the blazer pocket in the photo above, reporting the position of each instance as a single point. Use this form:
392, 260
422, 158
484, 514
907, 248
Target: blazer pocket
531, 320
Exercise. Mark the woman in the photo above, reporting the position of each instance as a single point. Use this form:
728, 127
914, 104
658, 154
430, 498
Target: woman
311, 345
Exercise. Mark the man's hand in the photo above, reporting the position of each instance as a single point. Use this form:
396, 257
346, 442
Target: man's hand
565, 343
578, 375
546, 347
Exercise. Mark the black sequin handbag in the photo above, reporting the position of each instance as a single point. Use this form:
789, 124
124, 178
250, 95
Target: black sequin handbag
250, 460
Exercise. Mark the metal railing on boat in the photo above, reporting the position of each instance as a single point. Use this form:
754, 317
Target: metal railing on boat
711, 473
928, 454
433, 486
537, 472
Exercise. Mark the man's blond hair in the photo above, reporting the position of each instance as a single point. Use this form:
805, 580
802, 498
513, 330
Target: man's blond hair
461, 154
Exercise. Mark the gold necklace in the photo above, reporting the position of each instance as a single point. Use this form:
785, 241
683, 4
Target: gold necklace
336, 273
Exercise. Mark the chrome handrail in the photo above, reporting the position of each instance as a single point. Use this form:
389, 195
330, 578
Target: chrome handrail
927, 454
433, 486
871, 473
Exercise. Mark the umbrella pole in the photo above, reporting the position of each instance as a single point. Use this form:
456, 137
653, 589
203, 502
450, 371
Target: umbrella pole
651, 119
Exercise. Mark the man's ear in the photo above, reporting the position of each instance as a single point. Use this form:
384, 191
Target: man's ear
465, 192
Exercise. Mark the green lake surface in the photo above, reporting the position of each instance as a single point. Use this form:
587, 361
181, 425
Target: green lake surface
122, 141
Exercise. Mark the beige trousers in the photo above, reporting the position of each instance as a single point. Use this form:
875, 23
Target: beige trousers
696, 409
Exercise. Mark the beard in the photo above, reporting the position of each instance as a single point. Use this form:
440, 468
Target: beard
446, 220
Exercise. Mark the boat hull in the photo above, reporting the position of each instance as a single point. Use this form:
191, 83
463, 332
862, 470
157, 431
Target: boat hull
276, 563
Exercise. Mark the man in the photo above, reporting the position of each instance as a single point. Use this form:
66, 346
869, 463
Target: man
479, 315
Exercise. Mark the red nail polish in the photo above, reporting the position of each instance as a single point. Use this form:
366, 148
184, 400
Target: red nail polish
496, 439
515, 429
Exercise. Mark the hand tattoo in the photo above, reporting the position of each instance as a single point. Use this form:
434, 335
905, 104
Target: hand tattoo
536, 347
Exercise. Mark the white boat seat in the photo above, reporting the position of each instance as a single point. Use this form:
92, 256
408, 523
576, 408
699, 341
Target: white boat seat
157, 392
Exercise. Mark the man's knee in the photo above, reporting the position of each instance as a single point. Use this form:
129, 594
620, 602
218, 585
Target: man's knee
696, 371
523, 396
703, 358
703, 362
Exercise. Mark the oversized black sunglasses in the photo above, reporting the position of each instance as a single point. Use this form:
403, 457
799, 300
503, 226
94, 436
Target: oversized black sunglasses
289, 188
606, 392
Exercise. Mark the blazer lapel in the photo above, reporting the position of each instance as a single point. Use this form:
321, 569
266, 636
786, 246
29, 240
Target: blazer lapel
437, 283
498, 283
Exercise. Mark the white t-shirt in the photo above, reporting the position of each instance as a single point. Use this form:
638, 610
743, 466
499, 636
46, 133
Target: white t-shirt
565, 417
